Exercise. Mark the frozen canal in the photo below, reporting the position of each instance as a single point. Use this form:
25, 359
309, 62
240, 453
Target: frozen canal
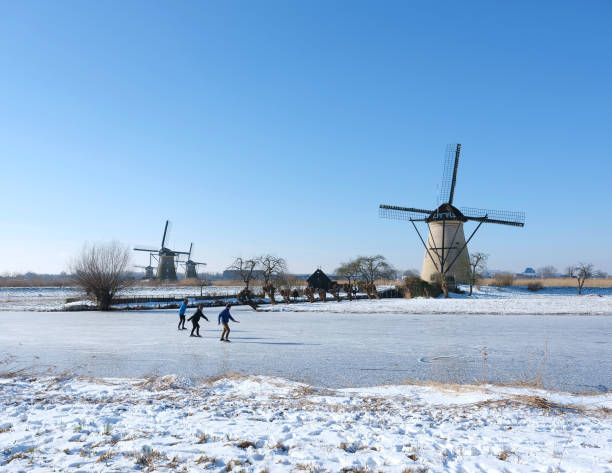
337, 350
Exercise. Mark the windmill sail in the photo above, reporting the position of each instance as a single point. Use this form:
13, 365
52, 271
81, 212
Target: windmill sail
502, 217
402, 213
449, 174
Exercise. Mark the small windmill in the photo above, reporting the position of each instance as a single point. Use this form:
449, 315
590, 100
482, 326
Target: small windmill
148, 269
446, 251
191, 267
166, 269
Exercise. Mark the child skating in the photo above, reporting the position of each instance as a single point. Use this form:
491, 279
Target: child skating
182, 310
194, 319
224, 318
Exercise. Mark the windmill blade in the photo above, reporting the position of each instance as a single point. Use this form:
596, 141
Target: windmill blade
190, 248
449, 173
166, 232
146, 249
502, 217
402, 213
195, 262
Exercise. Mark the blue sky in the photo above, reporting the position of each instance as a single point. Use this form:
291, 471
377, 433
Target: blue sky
280, 126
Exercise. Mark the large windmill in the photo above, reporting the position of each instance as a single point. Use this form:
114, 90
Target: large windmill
446, 251
191, 266
166, 269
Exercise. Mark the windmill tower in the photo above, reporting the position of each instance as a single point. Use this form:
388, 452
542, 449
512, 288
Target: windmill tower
446, 252
191, 267
166, 269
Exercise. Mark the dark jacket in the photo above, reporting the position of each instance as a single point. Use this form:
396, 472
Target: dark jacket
197, 315
225, 316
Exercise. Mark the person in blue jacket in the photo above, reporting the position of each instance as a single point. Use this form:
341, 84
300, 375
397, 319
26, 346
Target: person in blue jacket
224, 318
182, 310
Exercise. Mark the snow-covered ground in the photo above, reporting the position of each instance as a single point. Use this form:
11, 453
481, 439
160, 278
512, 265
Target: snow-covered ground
487, 300
54, 298
260, 424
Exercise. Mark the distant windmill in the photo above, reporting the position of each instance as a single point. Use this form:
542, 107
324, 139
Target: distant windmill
148, 269
166, 269
446, 248
191, 266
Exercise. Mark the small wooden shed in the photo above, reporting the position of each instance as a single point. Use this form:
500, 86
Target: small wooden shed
319, 280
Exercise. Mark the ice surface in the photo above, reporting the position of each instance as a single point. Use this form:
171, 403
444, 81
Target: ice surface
323, 348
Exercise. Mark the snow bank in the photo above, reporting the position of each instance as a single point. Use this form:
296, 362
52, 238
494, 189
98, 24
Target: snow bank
488, 300
255, 424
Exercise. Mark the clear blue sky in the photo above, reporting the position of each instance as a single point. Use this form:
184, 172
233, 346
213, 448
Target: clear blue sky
280, 126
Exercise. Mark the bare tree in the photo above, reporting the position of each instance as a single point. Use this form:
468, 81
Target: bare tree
547, 272
271, 268
582, 272
373, 268
478, 262
100, 270
285, 283
351, 272
245, 269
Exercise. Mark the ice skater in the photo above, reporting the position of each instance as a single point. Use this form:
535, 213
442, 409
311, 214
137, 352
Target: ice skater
224, 318
194, 319
182, 310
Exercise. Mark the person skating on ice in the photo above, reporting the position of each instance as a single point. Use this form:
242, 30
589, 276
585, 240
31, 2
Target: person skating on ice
224, 318
182, 310
194, 319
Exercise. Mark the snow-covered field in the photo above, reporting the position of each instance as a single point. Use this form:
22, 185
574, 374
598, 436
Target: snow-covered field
148, 402
487, 300
54, 298
260, 424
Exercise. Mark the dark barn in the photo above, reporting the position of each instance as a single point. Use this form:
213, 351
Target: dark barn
319, 280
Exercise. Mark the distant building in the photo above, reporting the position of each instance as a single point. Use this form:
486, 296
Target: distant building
528, 273
319, 280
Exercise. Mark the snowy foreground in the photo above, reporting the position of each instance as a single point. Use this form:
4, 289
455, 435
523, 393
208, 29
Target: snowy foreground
264, 424
487, 300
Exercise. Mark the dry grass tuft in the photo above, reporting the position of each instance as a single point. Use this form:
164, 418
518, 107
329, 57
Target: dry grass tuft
281, 446
105, 457
233, 463
244, 444
415, 469
305, 467
17, 456
203, 438
226, 376
205, 459
503, 456
355, 469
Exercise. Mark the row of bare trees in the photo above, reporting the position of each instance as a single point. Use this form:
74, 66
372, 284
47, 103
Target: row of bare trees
101, 270
364, 271
272, 270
